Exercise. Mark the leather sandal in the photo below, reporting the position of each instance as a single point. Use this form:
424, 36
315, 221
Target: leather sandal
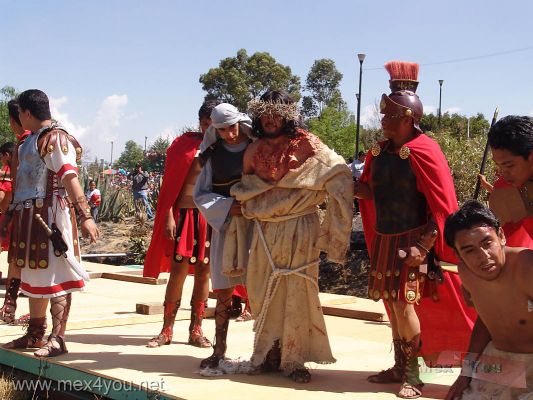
49, 350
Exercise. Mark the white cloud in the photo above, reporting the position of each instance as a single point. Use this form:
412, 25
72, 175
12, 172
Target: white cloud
451, 110
63, 117
370, 116
96, 136
169, 133
531, 113
108, 117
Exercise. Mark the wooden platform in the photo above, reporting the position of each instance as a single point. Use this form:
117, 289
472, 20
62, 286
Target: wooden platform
106, 338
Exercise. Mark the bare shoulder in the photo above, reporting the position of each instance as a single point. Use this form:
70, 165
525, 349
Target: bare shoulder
520, 260
248, 159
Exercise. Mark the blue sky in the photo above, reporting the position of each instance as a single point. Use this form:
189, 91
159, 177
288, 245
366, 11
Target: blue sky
120, 70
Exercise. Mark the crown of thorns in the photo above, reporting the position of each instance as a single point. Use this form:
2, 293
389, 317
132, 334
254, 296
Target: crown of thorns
258, 108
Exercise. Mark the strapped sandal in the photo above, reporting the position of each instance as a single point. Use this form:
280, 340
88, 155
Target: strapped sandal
49, 350
33, 337
7, 311
196, 335
411, 378
222, 315
394, 374
164, 338
197, 339
169, 317
300, 375
414, 388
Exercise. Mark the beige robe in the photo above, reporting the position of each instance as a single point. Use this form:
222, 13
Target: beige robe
286, 306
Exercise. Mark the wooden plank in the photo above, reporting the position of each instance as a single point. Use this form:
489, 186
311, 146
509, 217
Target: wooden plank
149, 308
356, 314
134, 279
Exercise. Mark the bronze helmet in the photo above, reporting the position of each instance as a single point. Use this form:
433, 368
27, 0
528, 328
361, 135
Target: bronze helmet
403, 100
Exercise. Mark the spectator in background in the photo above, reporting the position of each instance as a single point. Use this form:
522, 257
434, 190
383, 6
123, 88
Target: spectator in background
358, 165
93, 198
140, 188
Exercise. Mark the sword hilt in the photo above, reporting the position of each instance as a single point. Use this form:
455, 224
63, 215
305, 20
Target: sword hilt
41, 222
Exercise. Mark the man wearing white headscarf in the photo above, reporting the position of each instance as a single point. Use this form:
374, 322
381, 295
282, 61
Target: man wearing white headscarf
221, 154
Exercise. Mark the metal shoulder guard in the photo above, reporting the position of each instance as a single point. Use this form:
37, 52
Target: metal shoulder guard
47, 142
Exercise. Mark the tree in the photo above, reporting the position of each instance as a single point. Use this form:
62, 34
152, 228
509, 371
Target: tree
155, 156
132, 155
336, 128
456, 125
237, 80
323, 85
6, 135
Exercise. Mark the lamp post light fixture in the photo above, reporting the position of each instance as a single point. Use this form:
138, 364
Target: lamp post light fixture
361, 58
145, 138
440, 99
111, 163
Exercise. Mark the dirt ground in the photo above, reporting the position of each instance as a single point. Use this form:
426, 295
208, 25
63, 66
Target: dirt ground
349, 279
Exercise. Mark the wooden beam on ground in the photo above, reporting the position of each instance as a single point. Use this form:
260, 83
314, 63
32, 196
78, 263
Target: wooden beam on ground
339, 311
135, 279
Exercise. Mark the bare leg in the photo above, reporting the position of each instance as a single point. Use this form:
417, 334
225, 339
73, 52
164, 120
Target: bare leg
222, 315
174, 289
198, 303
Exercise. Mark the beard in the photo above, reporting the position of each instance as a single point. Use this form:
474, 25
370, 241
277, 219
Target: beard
269, 135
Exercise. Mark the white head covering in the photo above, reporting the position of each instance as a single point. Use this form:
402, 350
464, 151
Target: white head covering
222, 116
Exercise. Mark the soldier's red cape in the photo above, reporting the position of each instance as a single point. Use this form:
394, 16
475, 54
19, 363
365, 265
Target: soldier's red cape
179, 158
517, 234
447, 324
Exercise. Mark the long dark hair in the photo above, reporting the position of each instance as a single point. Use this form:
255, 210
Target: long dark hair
290, 126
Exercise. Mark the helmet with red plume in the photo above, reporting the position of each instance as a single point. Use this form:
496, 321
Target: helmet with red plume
403, 100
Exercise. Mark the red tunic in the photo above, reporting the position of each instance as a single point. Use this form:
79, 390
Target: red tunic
450, 313
180, 156
518, 234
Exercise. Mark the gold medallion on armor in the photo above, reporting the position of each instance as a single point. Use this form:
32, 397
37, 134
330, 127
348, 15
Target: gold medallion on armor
404, 152
43, 264
39, 203
206, 260
376, 150
385, 295
379, 275
408, 112
412, 276
192, 260
410, 295
207, 243
393, 293
179, 257
376, 294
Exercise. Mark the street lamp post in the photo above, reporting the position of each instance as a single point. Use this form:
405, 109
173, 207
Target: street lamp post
361, 58
440, 98
145, 138
111, 163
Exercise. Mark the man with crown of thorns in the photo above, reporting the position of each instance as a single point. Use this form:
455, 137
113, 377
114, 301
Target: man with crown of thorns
406, 192
287, 173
